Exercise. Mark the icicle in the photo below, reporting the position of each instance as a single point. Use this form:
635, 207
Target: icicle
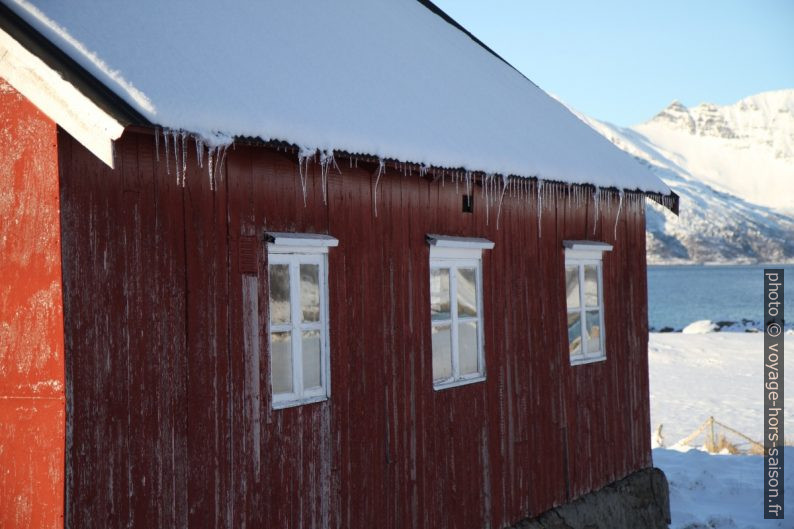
157, 143
617, 217
486, 185
381, 168
326, 160
596, 201
199, 151
219, 164
177, 165
165, 139
211, 161
540, 205
303, 168
484, 193
468, 182
505, 183
184, 158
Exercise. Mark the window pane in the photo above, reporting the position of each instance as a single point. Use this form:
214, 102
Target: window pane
467, 347
574, 334
310, 292
572, 286
590, 286
467, 292
442, 352
593, 320
439, 294
311, 359
279, 293
281, 362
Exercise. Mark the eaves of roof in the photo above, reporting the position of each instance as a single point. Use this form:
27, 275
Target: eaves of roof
69, 69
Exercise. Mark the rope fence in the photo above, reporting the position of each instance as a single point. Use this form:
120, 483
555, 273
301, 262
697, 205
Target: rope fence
717, 438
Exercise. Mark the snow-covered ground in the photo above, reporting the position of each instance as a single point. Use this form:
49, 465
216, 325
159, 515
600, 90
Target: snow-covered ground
720, 491
693, 377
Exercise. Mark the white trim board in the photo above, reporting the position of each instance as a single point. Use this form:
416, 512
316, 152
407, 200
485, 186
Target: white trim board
449, 241
288, 242
585, 249
449, 247
58, 99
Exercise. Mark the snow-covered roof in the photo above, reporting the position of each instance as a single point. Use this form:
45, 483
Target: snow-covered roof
385, 78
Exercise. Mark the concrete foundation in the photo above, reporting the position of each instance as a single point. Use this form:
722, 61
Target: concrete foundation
640, 500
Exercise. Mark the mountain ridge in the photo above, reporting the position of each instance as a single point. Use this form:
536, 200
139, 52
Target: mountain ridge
733, 167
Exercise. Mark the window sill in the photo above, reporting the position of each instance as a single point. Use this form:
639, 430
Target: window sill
459, 382
587, 360
300, 402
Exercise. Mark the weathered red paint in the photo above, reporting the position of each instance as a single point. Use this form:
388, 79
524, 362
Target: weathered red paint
32, 418
168, 363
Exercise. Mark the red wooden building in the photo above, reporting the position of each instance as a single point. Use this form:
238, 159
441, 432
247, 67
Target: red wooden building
210, 326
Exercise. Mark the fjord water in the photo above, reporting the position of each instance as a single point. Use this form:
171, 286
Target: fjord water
679, 295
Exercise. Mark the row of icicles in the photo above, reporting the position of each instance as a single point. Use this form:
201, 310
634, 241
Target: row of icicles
174, 146
175, 143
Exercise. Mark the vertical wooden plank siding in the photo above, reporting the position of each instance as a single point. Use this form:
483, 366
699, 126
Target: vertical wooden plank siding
126, 345
32, 414
167, 345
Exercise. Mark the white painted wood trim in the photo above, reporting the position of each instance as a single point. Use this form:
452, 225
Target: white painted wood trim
296, 326
581, 360
453, 264
448, 241
584, 357
280, 405
438, 386
58, 99
585, 249
285, 242
587, 245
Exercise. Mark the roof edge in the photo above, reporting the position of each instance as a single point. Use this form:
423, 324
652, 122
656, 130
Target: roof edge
669, 201
457, 25
69, 69
58, 99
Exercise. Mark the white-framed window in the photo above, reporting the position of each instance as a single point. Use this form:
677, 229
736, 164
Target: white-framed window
298, 317
456, 318
584, 294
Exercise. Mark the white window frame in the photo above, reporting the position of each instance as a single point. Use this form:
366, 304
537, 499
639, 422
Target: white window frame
294, 249
580, 254
451, 253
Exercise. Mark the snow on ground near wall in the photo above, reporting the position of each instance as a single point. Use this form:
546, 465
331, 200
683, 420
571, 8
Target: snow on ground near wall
387, 78
720, 491
693, 377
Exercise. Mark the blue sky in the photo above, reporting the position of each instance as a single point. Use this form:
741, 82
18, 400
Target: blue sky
623, 61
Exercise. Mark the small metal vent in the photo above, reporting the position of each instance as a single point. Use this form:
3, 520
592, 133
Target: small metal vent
247, 255
468, 203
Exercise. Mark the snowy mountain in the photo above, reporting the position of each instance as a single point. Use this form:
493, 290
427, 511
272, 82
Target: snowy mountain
733, 167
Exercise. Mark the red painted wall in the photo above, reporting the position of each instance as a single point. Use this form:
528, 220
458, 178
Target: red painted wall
31, 319
167, 351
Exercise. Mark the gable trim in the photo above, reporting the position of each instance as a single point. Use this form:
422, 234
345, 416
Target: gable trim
58, 99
